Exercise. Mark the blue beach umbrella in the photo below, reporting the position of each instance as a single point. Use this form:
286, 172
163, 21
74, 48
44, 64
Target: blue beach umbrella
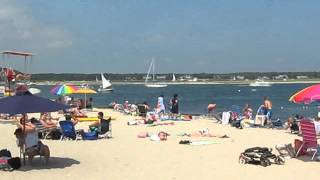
25, 102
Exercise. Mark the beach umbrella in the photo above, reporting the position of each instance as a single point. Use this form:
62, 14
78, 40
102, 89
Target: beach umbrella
63, 89
25, 102
307, 95
85, 91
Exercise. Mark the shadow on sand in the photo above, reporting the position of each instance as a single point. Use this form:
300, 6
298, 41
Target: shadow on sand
54, 163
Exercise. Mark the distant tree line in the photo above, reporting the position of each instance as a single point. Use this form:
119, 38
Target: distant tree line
168, 77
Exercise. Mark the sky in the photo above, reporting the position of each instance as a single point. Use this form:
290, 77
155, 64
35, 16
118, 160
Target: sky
183, 36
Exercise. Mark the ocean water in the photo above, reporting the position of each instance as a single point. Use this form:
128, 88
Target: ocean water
193, 99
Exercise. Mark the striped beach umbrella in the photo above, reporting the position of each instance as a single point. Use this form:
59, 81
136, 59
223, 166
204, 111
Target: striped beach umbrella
307, 95
64, 89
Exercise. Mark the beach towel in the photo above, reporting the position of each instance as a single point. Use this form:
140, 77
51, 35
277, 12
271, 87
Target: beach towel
82, 119
199, 142
160, 124
225, 118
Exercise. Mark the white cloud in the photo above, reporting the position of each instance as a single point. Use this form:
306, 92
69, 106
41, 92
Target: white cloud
17, 28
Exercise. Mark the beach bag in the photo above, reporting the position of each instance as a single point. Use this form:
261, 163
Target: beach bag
56, 134
5, 153
15, 163
90, 136
10, 164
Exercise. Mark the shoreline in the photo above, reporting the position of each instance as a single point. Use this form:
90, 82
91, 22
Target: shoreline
180, 83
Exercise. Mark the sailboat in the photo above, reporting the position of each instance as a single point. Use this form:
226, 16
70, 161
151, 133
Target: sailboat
106, 84
153, 84
173, 78
97, 81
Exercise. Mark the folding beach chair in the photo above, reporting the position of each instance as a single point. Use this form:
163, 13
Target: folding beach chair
309, 137
43, 132
142, 111
68, 131
106, 131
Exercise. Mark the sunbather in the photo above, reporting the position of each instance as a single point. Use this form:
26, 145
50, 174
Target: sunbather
204, 133
77, 112
161, 136
47, 121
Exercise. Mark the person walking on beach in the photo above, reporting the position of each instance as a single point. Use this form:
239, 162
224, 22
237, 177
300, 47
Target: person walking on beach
174, 105
268, 105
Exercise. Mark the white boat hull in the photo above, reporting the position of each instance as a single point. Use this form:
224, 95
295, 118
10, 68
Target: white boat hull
260, 84
156, 85
105, 90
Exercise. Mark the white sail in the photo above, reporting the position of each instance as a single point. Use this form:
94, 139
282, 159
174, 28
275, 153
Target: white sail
97, 79
153, 84
105, 83
173, 77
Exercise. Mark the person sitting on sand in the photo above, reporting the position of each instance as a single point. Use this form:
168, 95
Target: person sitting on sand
247, 111
151, 118
293, 125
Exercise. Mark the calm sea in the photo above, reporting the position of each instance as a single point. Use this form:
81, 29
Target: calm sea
195, 98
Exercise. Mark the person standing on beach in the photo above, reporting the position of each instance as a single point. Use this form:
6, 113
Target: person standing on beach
268, 105
174, 105
160, 105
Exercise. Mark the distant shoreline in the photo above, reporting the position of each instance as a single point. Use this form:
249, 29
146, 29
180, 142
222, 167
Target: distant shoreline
180, 83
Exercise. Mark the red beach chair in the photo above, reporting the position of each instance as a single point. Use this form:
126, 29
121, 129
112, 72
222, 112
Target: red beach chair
309, 137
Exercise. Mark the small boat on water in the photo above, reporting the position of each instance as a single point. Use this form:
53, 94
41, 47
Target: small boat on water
106, 85
259, 83
153, 84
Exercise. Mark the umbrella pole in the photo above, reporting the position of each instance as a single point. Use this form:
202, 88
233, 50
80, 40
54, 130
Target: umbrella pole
85, 101
24, 139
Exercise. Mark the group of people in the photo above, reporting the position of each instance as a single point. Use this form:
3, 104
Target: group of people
174, 105
293, 124
79, 103
28, 131
244, 118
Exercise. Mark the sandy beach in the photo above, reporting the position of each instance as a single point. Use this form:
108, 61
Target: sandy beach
127, 157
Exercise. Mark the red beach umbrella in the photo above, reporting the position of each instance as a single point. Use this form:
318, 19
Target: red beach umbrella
307, 95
